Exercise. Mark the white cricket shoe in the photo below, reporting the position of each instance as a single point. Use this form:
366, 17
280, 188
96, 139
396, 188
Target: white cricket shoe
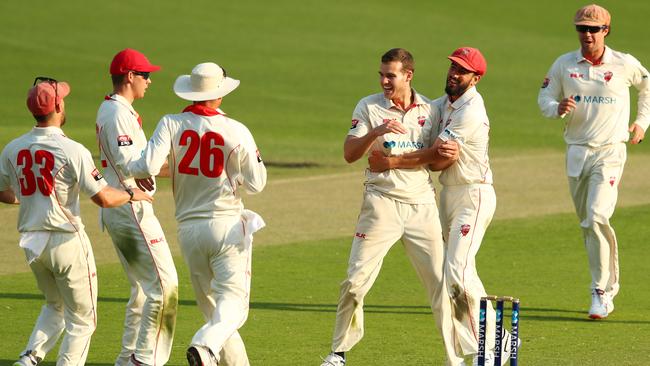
333, 360
201, 356
27, 360
601, 305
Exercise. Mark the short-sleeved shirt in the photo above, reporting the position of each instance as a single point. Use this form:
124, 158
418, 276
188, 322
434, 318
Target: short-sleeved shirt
120, 138
466, 121
46, 170
406, 185
602, 96
210, 157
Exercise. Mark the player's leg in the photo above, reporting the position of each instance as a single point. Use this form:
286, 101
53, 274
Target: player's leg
221, 279
600, 237
233, 352
151, 311
50, 323
159, 282
425, 248
73, 265
468, 210
378, 228
116, 221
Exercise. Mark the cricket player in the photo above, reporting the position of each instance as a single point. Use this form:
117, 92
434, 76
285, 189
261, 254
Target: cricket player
212, 158
589, 88
134, 229
397, 204
44, 171
467, 200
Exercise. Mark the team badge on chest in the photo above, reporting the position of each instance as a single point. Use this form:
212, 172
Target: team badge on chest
422, 120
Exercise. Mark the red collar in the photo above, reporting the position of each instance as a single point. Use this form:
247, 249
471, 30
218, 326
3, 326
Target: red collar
201, 110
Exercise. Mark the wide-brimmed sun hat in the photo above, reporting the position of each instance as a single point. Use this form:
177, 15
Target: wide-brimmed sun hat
208, 81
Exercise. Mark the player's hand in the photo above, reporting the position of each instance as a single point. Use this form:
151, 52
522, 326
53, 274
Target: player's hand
449, 149
566, 106
145, 184
139, 195
637, 133
378, 162
391, 126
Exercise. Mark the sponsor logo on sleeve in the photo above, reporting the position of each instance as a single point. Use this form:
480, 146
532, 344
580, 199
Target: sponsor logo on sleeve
355, 122
452, 135
124, 140
545, 83
259, 156
96, 175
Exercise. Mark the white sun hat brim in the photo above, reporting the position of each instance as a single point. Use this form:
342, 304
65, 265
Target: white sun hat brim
205, 83
183, 88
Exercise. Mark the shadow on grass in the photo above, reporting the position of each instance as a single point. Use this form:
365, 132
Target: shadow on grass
323, 308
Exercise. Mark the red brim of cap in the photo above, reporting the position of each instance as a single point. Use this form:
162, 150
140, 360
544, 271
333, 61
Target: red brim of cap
149, 68
462, 63
62, 89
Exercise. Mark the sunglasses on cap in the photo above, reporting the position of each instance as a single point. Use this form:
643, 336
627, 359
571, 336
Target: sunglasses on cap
53, 82
590, 28
144, 74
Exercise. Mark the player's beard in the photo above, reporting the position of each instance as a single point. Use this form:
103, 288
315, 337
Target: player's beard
456, 90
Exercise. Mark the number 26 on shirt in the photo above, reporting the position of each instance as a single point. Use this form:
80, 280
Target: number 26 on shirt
210, 155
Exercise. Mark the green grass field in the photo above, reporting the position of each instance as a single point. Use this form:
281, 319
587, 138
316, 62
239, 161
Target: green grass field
303, 66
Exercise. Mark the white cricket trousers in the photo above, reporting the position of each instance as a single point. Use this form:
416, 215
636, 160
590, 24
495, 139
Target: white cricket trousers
150, 317
594, 175
465, 213
65, 272
382, 222
220, 271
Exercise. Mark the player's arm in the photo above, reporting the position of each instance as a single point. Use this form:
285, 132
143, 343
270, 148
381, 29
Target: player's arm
356, 147
641, 81
8, 196
438, 157
116, 137
111, 197
550, 99
154, 157
252, 168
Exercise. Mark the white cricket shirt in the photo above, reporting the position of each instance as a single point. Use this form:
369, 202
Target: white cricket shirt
210, 157
466, 121
46, 171
120, 138
405, 185
602, 96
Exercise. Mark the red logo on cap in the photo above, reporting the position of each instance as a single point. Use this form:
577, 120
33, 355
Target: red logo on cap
464, 229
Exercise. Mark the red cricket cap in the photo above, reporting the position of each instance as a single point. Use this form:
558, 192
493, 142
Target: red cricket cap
42, 98
470, 59
131, 60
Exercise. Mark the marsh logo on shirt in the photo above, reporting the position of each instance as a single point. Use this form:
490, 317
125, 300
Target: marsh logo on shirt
422, 120
96, 175
403, 144
124, 140
355, 122
594, 99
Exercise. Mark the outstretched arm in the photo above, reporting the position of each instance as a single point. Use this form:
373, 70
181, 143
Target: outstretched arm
438, 157
111, 197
